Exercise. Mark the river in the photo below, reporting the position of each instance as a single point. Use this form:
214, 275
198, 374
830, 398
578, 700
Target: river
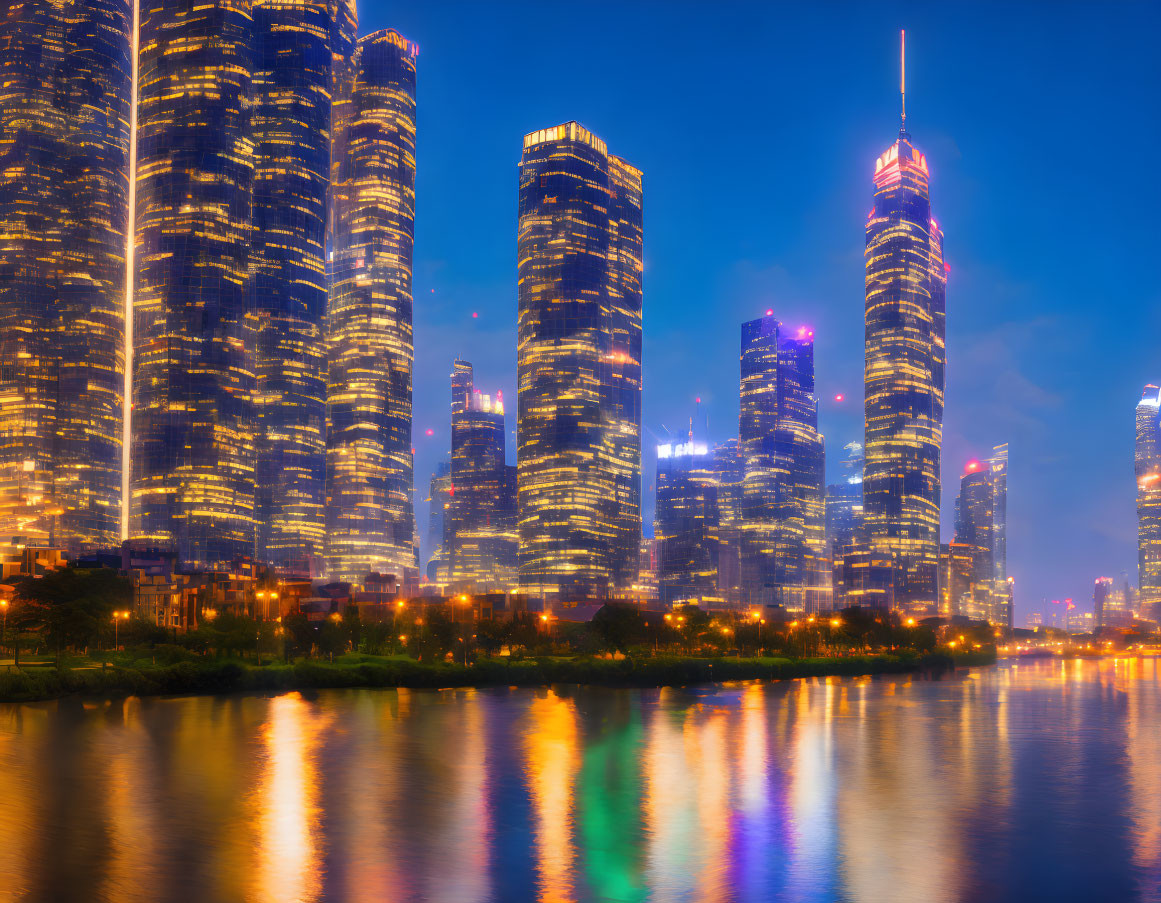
1021, 781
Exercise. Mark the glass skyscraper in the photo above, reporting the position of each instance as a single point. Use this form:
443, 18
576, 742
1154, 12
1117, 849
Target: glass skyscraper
192, 479
981, 526
783, 546
905, 357
369, 508
578, 365
1147, 467
844, 520
685, 524
65, 109
293, 83
438, 502
480, 521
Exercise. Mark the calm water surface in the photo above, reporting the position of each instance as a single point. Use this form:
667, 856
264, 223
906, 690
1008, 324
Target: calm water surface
1038, 780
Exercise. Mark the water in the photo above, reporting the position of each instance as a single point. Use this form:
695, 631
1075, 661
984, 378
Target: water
1038, 780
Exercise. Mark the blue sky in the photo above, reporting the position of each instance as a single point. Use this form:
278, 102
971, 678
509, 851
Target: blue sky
757, 127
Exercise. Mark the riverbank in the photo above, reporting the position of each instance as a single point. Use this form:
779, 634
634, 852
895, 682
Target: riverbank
232, 676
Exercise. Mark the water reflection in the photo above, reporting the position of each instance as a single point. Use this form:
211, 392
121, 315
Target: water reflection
1023, 781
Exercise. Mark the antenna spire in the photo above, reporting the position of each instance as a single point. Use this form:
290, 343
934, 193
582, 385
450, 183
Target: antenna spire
902, 81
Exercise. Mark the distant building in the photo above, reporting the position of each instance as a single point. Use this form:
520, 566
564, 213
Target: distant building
1101, 590
1147, 468
730, 475
438, 501
578, 365
844, 519
961, 595
783, 551
686, 523
981, 525
462, 384
480, 520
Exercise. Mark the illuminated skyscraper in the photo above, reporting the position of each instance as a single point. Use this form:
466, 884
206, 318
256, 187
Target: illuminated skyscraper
686, 524
783, 508
730, 475
369, 511
1102, 588
438, 502
462, 384
480, 521
905, 357
578, 364
844, 519
293, 81
1148, 472
1002, 583
194, 324
65, 89
981, 525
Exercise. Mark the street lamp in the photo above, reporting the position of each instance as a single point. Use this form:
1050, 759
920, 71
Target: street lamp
117, 617
4, 605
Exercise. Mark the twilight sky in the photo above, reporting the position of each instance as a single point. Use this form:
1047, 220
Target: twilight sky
757, 126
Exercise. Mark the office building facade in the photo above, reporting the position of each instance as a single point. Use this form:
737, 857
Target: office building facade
65, 109
578, 365
370, 520
293, 82
480, 520
686, 523
193, 458
783, 546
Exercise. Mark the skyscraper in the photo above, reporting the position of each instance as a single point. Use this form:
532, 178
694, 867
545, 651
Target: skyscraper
729, 468
438, 502
578, 364
1002, 582
193, 457
480, 521
844, 519
293, 82
783, 507
369, 510
686, 521
1102, 588
65, 90
462, 384
981, 525
906, 281
1147, 468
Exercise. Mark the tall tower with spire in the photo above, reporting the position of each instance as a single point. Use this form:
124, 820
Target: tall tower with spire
905, 356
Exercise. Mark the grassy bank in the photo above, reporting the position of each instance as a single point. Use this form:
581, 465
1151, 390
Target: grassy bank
206, 677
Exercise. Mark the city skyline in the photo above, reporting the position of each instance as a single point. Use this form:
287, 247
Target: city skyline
792, 240
205, 499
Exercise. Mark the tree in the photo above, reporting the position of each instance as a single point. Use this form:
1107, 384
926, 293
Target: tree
71, 605
332, 637
300, 635
620, 627
491, 635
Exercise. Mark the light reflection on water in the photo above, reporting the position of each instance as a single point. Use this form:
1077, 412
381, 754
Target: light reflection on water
1023, 781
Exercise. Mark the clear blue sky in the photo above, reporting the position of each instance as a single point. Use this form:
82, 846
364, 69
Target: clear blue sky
757, 126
